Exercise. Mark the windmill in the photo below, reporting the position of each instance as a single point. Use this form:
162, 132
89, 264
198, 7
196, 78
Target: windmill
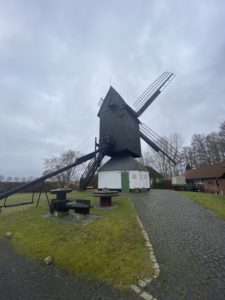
120, 134
121, 128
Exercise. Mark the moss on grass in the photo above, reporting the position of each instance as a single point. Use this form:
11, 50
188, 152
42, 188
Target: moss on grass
215, 203
110, 249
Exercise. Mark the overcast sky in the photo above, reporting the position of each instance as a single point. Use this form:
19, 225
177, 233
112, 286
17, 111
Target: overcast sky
58, 58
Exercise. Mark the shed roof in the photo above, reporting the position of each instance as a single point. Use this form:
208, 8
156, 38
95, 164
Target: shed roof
122, 163
207, 171
153, 173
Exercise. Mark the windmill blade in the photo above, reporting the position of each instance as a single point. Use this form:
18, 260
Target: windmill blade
152, 92
158, 143
155, 147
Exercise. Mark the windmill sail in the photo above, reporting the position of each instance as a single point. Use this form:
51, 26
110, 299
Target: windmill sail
152, 92
158, 143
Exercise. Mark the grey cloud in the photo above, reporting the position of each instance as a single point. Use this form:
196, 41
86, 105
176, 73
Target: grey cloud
57, 58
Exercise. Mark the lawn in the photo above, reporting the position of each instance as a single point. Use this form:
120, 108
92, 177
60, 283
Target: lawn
215, 203
110, 249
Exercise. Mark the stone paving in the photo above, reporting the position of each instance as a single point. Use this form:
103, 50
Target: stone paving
189, 245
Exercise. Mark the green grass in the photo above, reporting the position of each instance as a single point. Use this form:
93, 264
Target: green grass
215, 203
110, 249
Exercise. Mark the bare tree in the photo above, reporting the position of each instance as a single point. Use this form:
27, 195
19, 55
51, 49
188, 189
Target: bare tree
160, 162
200, 149
213, 146
176, 141
204, 150
9, 179
222, 131
221, 135
55, 163
2, 178
146, 159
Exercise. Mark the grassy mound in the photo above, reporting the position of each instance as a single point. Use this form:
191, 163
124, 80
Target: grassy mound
110, 249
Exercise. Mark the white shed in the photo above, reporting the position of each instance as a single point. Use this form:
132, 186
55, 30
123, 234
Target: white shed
124, 174
178, 180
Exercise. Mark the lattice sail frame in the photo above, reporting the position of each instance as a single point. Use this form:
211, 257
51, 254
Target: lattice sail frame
150, 94
162, 144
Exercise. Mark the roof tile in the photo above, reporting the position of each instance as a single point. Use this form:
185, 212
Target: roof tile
207, 171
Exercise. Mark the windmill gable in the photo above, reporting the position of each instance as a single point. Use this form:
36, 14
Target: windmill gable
119, 121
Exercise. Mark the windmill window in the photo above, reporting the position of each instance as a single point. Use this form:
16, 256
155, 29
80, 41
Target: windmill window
134, 176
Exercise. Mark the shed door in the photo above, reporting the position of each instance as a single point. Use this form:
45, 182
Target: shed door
125, 182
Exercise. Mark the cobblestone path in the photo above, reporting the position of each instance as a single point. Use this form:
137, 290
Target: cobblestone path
189, 245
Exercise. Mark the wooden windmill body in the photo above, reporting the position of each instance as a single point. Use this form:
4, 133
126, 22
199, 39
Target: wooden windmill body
119, 121
119, 136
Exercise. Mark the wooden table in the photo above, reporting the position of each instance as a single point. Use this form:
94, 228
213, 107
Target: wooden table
61, 193
105, 197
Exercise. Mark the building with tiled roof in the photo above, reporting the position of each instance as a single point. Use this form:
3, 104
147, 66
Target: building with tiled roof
210, 177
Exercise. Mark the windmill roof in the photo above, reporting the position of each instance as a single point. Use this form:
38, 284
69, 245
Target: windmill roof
207, 171
114, 98
122, 163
